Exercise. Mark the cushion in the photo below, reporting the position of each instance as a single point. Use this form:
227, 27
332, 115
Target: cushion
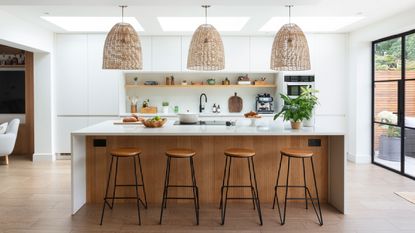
3, 128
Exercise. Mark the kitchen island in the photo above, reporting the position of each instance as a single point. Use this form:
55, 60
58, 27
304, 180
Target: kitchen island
91, 147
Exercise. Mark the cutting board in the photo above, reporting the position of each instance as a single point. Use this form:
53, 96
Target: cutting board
235, 103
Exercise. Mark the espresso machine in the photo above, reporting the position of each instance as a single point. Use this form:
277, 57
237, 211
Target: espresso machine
264, 103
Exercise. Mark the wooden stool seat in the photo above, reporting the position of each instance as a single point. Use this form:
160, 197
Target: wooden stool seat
180, 153
126, 152
239, 152
298, 153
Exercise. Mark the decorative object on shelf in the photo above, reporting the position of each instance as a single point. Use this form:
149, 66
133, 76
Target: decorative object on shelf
145, 103
122, 49
211, 81
135, 80
176, 109
184, 82
290, 48
133, 100
261, 81
20, 58
197, 83
390, 141
235, 103
226, 81
244, 80
3, 59
151, 83
299, 108
149, 110
165, 105
168, 82
214, 108
172, 80
206, 48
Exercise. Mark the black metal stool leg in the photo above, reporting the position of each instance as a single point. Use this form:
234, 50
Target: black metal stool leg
223, 211
142, 182
319, 217
223, 182
115, 182
252, 186
165, 189
136, 192
106, 191
305, 185
282, 216
167, 184
256, 191
276, 183
195, 191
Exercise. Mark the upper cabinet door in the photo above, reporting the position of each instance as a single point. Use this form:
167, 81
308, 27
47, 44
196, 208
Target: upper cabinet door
146, 52
166, 53
236, 53
260, 57
71, 75
102, 84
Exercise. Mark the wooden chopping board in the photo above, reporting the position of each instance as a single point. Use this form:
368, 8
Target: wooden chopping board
235, 103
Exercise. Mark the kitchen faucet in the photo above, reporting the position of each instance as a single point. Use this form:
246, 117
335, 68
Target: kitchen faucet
202, 107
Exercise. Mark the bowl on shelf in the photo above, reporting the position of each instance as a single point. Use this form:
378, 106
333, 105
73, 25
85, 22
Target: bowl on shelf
150, 123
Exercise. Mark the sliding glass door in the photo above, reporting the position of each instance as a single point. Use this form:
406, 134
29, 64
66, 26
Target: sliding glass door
393, 103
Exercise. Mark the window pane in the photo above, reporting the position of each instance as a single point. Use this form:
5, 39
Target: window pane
410, 103
387, 145
386, 102
388, 60
410, 152
410, 56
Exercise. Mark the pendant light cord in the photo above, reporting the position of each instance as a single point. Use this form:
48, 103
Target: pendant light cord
122, 12
289, 13
206, 15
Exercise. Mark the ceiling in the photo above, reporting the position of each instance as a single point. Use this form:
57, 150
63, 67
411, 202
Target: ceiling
259, 11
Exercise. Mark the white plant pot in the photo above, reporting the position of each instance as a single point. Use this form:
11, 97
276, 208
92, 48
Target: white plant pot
165, 109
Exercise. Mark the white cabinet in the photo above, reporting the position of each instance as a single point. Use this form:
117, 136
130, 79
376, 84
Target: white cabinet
64, 127
71, 75
166, 53
185, 51
102, 84
260, 53
146, 45
236, 53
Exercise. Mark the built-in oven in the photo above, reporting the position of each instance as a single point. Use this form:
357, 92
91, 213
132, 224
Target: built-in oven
293, 85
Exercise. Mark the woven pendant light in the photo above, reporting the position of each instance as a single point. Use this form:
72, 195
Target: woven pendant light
206, 49
122, 49
290, 49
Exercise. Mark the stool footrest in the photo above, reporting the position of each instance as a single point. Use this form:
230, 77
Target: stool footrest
129, 185
241, 198
237, 186
188, 198
180, 186
118, 198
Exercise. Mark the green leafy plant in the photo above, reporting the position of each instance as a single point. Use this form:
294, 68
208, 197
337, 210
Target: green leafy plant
165, 104
300, 108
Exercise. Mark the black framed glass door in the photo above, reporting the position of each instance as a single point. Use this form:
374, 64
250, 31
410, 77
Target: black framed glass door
393, 103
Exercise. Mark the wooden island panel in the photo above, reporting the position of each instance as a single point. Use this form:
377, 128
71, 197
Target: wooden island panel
209, 165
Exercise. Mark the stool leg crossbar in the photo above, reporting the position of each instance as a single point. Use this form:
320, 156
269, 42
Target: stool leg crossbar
282, 213
167, 185
136, 185
225, 188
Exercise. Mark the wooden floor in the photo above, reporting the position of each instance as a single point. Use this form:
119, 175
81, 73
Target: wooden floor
36, 198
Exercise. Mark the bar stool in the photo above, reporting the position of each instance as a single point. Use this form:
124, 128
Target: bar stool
297, 154
125, 153
239, 153
180, 153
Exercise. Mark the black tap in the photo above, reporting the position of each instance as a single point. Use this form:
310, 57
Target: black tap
202, 107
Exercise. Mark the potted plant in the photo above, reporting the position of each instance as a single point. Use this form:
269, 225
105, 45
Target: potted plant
390, 140
165, 105
298, 109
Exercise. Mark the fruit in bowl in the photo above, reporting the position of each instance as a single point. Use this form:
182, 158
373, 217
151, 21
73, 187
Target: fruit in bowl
155, 122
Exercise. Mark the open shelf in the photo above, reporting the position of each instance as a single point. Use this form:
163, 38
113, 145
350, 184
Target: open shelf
202, 86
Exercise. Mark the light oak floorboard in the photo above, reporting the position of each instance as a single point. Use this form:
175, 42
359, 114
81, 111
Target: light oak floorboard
35, 198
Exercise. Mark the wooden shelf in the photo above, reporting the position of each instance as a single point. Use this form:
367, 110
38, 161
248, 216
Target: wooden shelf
12, 67
202, 86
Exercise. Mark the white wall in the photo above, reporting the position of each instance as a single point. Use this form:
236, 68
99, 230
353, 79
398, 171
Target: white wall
359, 85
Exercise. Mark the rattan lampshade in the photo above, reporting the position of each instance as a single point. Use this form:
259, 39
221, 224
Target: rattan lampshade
290, 49
122, 49
206, 49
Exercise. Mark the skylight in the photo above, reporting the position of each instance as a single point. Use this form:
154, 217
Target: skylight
182, 24
311, 24
90, 24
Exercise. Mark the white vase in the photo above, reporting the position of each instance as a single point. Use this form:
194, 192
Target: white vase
165, 109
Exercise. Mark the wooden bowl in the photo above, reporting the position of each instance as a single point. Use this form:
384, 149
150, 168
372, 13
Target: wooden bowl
154, 124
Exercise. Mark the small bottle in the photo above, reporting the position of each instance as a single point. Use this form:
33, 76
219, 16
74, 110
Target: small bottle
218, 109
172, 80
214, 109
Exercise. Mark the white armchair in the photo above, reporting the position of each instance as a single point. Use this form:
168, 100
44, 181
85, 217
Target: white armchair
8, 140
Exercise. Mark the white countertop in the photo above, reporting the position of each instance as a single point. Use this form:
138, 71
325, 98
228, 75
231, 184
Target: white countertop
200, 115
275, 128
